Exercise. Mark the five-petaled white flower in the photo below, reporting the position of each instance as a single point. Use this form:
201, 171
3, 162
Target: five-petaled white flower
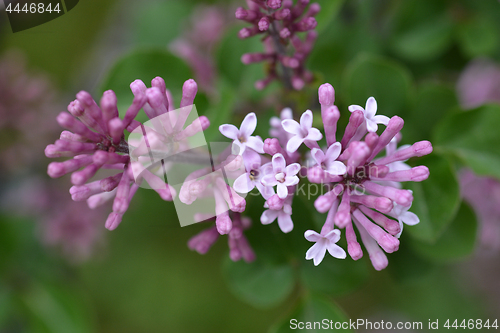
404, 216
284, 216
328, 161
278, 173
302, 132
323, 242
251, 178
369, 111
243, 136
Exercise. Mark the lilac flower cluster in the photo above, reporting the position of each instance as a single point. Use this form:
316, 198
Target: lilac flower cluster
280, 21
363, 191
95, 141
195, 46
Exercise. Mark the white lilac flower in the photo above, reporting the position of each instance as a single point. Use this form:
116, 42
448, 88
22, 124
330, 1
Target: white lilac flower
284, 216
323, 243
369, 112
253, 175
328, 161
279, 174
243, 136
302, 133
404, 216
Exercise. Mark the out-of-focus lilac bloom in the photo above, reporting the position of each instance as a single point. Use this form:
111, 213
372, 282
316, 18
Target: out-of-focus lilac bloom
27, 104
483, 194
479, 83
286, 53
196, 45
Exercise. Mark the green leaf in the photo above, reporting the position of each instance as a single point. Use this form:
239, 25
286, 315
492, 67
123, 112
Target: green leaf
334, 276
473, 137
329, 11
436, 199
54, 309
228, 58
314, 314
478, 37
426, 40
146, 65
221, 111
456, 242
158, 23
259, 283
389, 82
433, 101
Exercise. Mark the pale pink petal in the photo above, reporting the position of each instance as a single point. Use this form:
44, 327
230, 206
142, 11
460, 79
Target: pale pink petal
268, 216
229, 131
291, 126
333, 236
256, 144
318, 155
317, 253
354, 107
285, 222
336, 168
251, 159
410, 218
292, 169
336, 251
314, 135
333, 152
371, 107
384, 120
269, 180
282, 191
243, 184
294, 144
312, 236
279, 163
306, 120
248, 125
371, 126
290, 181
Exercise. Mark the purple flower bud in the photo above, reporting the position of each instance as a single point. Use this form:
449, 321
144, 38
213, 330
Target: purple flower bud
285, 33
326, 94
274, 4
189, 90
306, 24
264, 23
275, 202
282, 14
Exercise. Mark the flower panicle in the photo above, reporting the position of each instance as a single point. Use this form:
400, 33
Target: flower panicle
94, 140
286, 53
